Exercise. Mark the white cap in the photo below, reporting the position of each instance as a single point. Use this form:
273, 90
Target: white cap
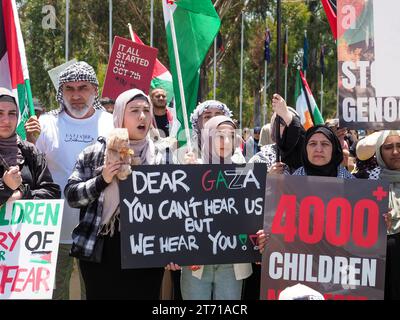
300, 292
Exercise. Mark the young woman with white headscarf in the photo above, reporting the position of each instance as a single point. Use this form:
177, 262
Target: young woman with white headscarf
93, 187
224, 281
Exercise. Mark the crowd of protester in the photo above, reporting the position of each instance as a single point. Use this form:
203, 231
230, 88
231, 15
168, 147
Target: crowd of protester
64, 157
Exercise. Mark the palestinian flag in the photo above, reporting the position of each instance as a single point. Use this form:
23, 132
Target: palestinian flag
306, 106
13, 67
330, 10
161, 76
42, 257
196, 25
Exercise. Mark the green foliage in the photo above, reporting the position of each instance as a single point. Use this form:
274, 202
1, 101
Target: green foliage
88, 40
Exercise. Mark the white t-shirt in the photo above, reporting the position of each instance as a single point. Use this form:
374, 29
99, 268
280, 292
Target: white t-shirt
61, 140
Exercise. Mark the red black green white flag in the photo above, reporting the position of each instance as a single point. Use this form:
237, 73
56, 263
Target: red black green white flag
14, 73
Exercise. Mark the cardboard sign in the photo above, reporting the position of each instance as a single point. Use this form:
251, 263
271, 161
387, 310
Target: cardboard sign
54, 73
368, 64
29, 239
191, 214
130, 66
327, 234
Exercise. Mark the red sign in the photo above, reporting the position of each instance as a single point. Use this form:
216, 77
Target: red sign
130, 66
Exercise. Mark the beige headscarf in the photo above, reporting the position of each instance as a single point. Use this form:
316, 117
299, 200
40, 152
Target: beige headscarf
144, 154
208, 133
392, 176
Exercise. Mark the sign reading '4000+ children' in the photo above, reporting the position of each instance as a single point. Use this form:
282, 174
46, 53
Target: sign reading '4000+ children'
191, 214
29, 238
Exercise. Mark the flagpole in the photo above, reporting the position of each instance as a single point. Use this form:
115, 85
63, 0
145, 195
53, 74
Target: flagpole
66, 30
151, 21
322, 66
278, 73
110, 26
215, 69
179, 73
305, 70
265, 92
241, 75
131, 32
286, 65
322, 93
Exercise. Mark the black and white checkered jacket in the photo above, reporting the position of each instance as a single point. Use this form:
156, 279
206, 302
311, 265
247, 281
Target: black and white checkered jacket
84, 191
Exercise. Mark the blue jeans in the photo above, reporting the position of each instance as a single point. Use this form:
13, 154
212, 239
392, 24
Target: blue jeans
218, 282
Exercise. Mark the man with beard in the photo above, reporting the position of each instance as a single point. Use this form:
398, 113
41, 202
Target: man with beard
165, 125
162, 115
65, 132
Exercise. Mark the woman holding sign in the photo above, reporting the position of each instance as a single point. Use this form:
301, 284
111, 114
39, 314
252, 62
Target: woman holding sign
23, 170
93, 187
218, 282
322, 154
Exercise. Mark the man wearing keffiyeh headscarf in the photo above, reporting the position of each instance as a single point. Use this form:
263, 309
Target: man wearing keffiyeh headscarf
78, 122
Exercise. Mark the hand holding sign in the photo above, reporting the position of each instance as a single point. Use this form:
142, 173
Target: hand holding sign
172, 266
191, 215
262, 239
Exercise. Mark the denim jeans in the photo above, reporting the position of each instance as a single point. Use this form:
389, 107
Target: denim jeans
65, 265
218, 282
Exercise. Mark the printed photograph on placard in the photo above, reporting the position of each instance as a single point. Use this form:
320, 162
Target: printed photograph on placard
368, 64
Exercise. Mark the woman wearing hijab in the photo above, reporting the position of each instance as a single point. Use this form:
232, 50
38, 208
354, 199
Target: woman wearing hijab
93, 187
224, 281
388, 158
322, 154
204, 112
23, 170
199, 117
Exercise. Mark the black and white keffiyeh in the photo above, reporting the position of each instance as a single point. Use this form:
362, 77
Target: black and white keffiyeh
79, 71
209, 104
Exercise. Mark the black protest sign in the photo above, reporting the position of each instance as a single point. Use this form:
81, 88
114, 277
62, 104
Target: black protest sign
326, 233
191, 214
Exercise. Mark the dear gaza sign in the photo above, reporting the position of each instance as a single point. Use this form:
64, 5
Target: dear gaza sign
191, 214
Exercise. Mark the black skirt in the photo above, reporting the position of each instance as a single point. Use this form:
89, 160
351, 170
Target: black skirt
107, 280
